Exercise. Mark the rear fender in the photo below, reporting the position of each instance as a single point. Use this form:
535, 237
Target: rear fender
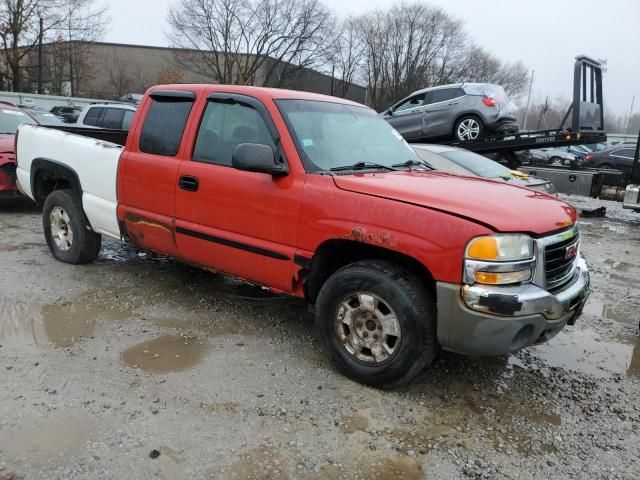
47, 174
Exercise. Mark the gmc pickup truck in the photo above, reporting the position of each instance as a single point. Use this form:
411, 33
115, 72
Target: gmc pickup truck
318, 197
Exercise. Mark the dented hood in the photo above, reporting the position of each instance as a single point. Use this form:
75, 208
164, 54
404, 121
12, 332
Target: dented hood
502, 207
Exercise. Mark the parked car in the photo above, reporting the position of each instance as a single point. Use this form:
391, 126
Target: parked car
68, 114
131, 98
617, 157
46, 118
11, 118
464, 111
580, 151
319, 198
544, 157
463, 162
107, 115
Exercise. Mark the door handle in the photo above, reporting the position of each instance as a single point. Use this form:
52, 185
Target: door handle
188, 183
452, 103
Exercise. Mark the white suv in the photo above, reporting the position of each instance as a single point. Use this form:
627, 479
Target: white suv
107, 115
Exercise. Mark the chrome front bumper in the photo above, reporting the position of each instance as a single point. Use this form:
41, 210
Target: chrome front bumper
491, 320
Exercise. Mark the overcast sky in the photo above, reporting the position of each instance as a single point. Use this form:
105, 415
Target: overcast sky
545, 34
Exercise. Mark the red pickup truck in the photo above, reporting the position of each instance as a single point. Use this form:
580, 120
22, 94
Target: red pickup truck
318, 197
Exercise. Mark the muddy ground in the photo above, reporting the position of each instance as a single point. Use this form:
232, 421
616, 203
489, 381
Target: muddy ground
104, 366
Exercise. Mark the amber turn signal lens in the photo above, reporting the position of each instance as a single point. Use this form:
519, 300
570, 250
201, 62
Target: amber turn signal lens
483, 248
492, 278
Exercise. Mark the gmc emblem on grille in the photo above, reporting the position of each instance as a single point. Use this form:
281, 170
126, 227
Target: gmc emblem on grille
571, 251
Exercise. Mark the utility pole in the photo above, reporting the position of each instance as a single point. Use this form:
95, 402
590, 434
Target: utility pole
526, 110
633, 99
40, 90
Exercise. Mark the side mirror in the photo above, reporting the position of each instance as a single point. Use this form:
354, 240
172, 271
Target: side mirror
255, 157
390, 112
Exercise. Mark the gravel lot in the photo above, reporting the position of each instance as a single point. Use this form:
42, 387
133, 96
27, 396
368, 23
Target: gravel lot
105, 366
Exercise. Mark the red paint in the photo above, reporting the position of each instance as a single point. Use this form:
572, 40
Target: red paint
425, 215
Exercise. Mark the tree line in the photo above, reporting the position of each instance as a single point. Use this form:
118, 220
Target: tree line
391, 52
26, 24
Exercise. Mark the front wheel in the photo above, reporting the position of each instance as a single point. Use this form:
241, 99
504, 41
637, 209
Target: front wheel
67, 230
377, 323
468, 128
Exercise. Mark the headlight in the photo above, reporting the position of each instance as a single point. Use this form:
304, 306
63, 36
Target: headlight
500, 248
499, 259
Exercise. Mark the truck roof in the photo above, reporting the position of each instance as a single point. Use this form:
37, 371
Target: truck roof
262, 93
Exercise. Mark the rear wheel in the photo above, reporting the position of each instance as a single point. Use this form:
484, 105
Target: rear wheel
67, 230
377, 323
468, 128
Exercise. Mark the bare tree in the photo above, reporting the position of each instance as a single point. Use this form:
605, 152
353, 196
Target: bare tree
84, 22
345, 54
231, 40
20, 31
407, 47
482, 66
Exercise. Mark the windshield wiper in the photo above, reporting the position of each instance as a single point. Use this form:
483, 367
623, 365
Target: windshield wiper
414, 163
361, 166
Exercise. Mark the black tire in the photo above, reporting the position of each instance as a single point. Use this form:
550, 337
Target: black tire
456, 126
83, 245
414, 309
607, 166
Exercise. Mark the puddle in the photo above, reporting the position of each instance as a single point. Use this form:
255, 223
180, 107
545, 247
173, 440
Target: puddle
584, 351
624, 309
169, 353
60, 325
47, 437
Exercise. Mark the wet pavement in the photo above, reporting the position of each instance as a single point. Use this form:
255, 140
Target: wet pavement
104, 363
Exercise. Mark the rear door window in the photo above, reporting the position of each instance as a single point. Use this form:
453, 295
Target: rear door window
113, 118
93, 116
444, 94
226, 125
164, 125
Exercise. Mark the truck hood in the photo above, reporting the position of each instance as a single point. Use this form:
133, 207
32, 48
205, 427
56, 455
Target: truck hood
502, 207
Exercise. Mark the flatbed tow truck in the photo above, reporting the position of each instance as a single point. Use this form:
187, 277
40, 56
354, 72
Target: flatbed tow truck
586, 126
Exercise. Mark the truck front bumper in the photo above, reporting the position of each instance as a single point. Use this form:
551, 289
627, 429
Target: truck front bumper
493, 320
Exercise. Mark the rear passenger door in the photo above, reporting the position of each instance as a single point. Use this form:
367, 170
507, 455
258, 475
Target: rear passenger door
441, 110
238, 222
149, 171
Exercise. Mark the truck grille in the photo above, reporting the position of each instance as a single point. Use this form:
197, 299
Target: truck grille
560, 270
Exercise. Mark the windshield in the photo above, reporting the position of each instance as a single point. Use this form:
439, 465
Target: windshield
10, 120
477, 164
330, 135
48, 119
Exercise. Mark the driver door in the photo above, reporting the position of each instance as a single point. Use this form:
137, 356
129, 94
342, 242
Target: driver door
406, 117
238, 222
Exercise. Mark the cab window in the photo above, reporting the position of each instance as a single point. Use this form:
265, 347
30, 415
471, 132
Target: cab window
226, 125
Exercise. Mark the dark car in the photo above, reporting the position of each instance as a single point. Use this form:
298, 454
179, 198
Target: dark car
463, 162
464, 111
549, 157
616, 157
68, 114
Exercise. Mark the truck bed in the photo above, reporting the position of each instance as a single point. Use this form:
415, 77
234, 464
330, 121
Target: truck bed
94, 161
